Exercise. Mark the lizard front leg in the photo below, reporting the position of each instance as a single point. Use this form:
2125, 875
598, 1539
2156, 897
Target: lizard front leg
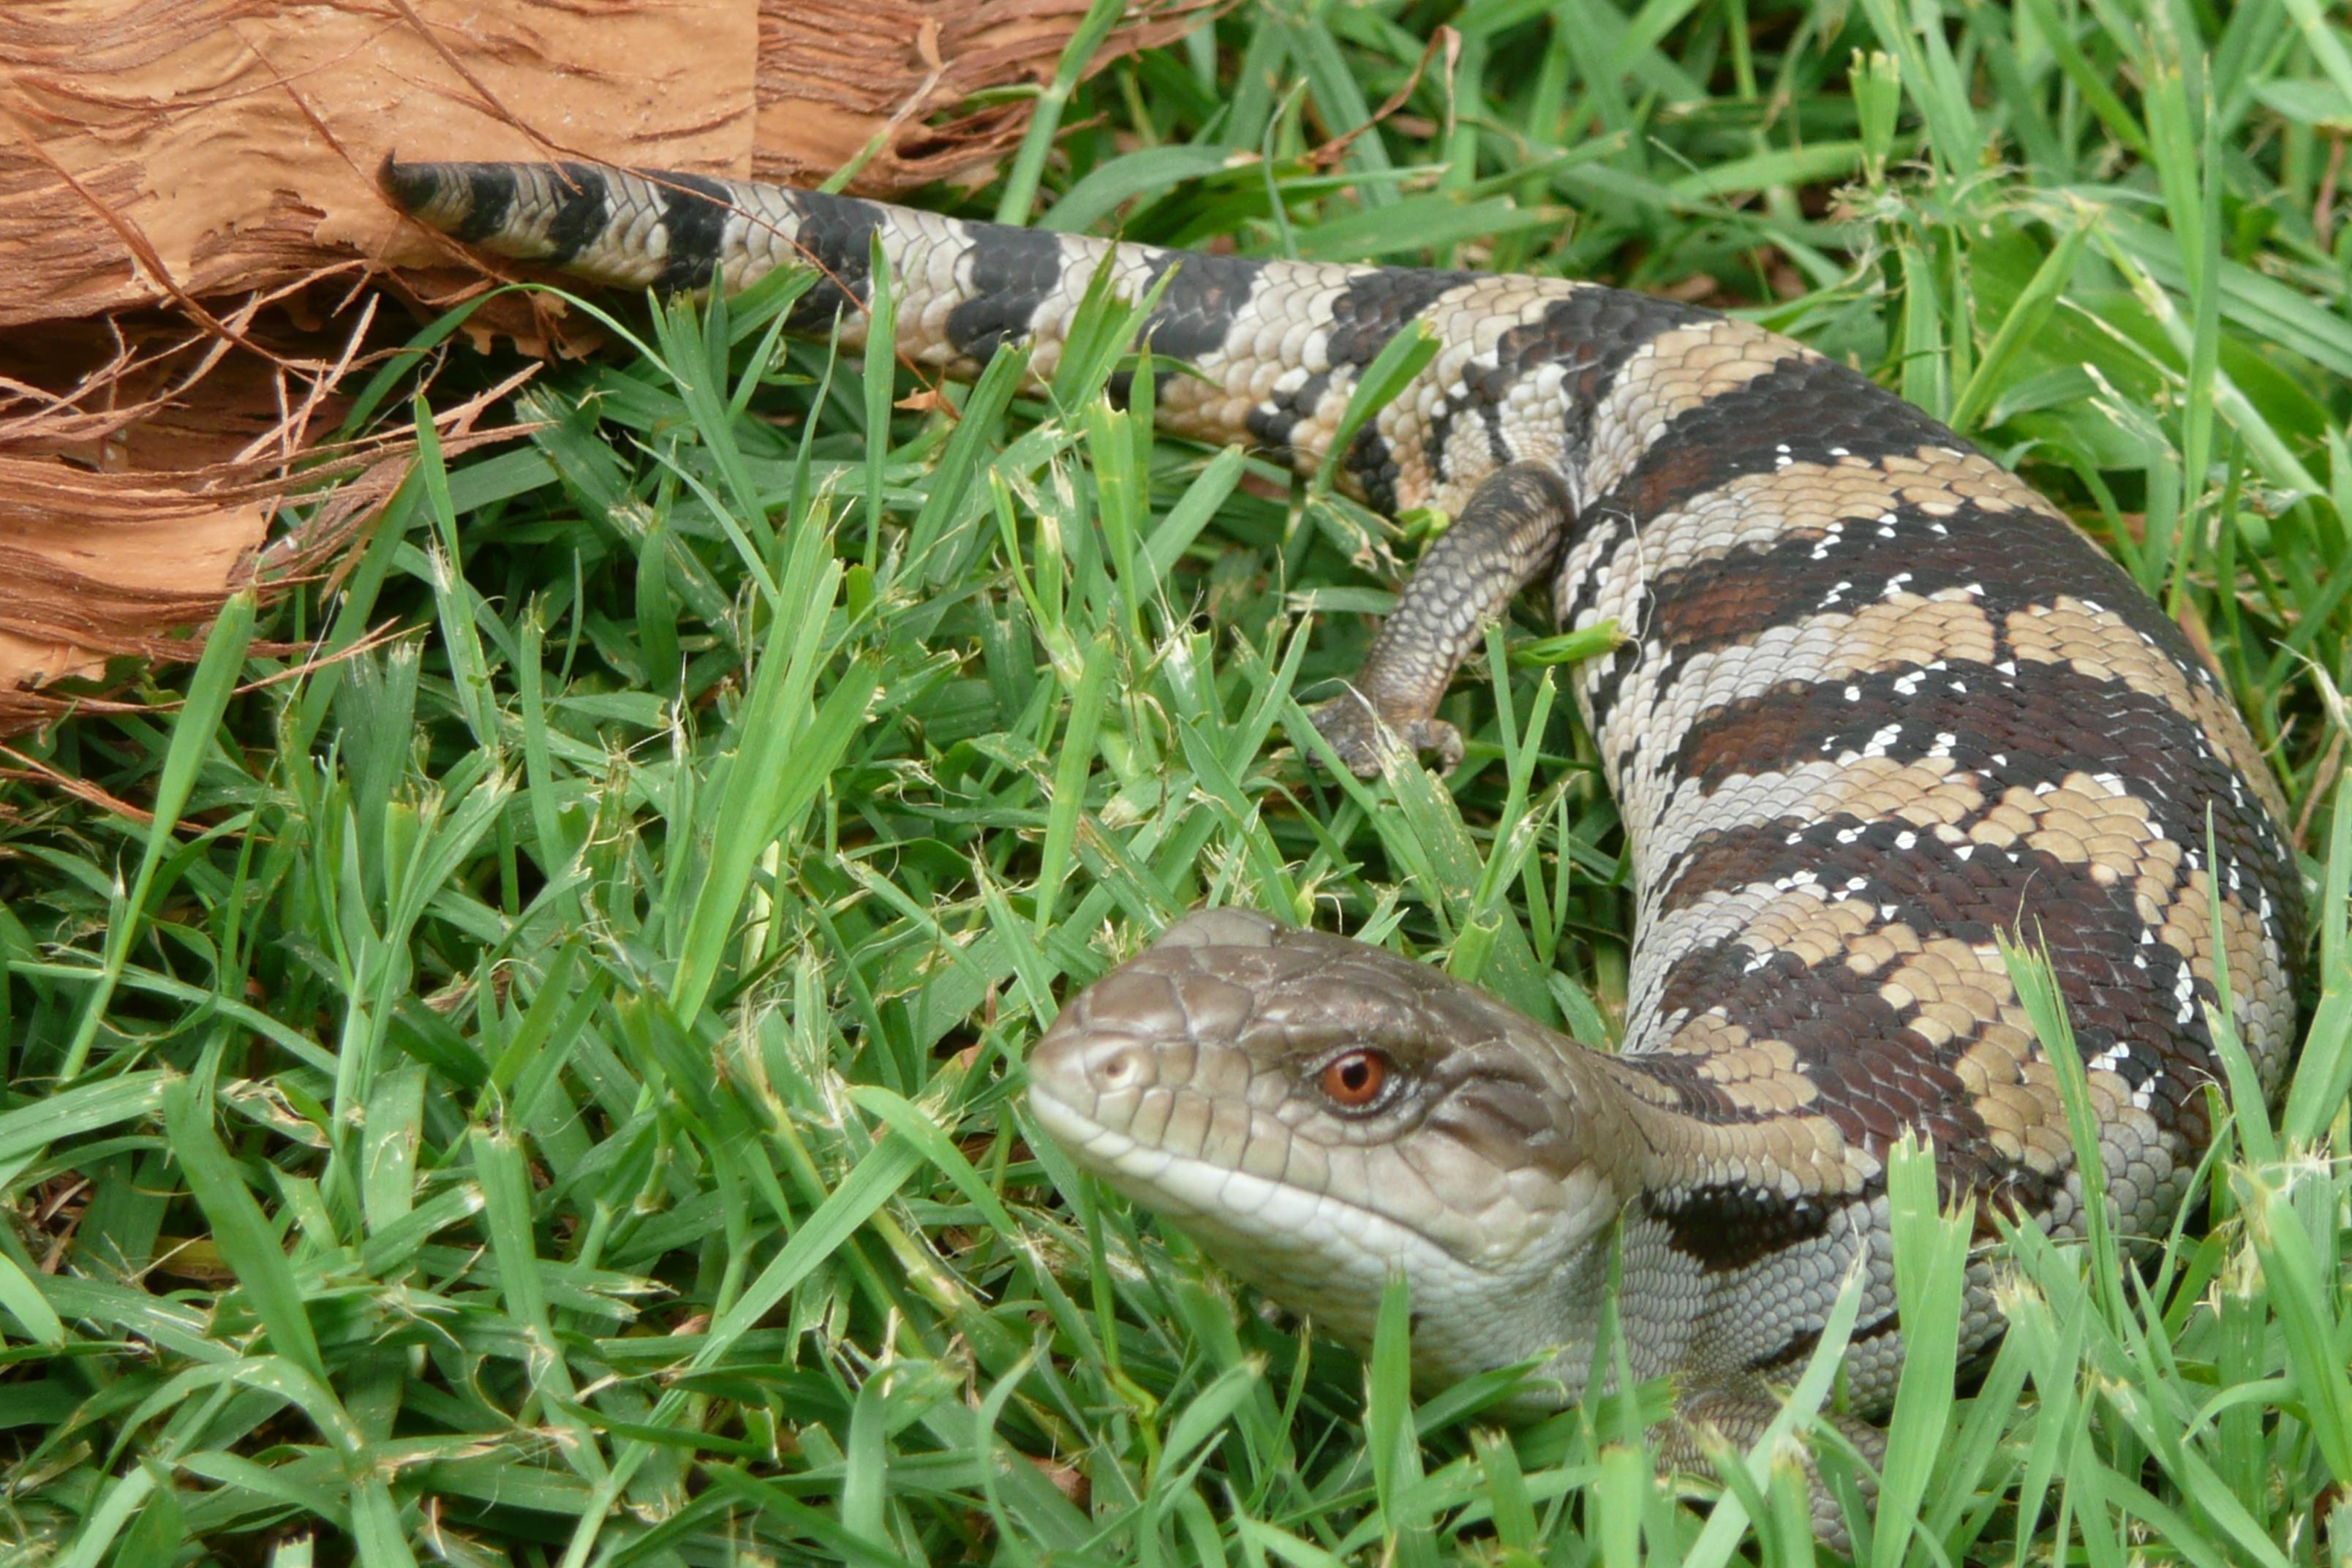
1732, 1416
1509, 533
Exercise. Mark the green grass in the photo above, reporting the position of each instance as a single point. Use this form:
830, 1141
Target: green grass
547, 1088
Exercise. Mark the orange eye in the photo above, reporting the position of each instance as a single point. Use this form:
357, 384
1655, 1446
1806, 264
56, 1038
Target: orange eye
1354, 1080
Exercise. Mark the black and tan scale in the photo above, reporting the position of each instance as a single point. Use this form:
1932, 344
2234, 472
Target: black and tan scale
1879, 704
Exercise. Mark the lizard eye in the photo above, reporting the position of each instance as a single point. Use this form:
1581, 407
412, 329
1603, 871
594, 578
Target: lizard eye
1353, 1080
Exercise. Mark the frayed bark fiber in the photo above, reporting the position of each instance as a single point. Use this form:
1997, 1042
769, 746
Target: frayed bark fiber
191, 237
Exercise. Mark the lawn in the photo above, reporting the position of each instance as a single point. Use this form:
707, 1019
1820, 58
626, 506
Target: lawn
547, 1088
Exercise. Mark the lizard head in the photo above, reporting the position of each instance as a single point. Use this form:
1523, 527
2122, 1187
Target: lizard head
1320, 1114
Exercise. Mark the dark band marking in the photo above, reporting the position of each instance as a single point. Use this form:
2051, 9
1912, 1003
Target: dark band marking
1441, 431
1592, 331
1927, 891
411, 186
1375, 308
489, 193
1272, 423
1605, 677
1726, 1228
1013, 271
1798, 1348
1737, 597
2035, 725
695, 210
1800, 411
1372, 464
2119, 989
1498, 444
1876, 1076
2014, 559
2003, 726
1204, 297
835, 236
579, 214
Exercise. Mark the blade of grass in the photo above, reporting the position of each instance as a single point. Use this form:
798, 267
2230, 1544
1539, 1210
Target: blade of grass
193, 733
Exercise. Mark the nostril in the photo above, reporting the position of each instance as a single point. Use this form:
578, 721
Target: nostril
1116, 1067
1076, 1065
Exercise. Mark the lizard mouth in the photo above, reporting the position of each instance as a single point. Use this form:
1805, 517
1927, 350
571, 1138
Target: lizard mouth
1330, 1258
1246, 1210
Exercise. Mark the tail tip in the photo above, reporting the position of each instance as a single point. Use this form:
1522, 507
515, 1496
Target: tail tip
411, 186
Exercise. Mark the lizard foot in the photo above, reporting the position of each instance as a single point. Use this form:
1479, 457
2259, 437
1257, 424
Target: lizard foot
1363, 738
1737, 1416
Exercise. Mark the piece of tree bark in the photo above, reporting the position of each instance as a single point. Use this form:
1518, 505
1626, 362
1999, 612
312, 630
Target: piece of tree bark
190, 230
170, 151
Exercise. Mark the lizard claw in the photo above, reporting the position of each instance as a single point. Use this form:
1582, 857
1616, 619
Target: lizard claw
1363, 739
1436, 735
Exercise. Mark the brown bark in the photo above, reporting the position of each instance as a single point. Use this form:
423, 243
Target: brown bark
190, 230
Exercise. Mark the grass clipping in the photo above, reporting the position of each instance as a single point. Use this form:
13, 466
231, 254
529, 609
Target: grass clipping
192, 234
